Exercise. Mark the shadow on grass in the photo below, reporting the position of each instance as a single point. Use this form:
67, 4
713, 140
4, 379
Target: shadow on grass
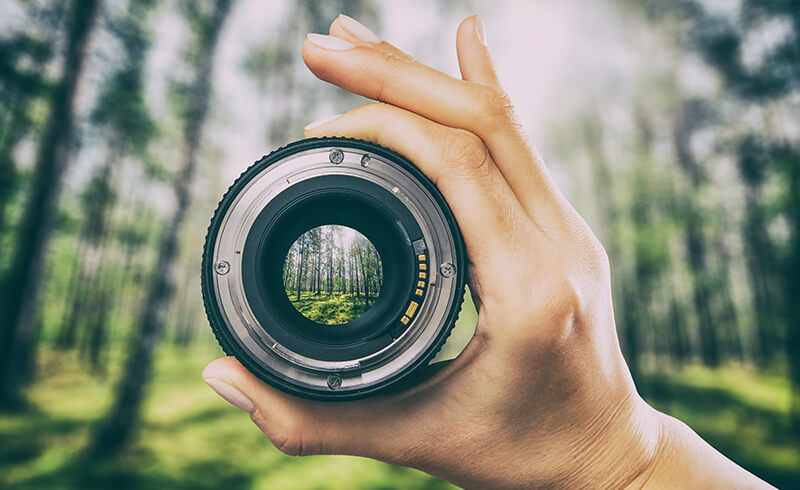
137, 471
739, 430
34, 436
28, 438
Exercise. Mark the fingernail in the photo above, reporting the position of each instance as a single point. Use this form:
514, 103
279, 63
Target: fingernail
330, 42
320, 122
231, 394
480, 30
358, 29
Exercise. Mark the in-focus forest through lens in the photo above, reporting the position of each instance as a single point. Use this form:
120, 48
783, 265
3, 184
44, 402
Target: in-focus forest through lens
332, 274
673, 126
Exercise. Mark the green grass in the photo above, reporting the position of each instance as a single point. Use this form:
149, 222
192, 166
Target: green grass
191, 439
329, 309
741, 412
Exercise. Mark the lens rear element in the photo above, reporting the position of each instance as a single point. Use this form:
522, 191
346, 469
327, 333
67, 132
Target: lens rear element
332, 275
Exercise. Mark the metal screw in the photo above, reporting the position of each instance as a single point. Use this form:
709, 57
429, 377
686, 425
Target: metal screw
447, 269
365, 161
334, 381
222, 267
336, 157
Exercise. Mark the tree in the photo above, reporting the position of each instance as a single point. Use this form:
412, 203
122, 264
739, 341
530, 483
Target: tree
22, 62
123, 418
762, 151
121, 114
22, 282
691, 116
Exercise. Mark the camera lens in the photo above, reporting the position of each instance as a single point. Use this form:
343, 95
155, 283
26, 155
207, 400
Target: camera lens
333, 269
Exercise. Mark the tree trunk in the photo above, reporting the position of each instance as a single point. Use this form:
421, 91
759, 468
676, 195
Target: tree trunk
364, 279
330, 269
701, 294
117, 430
22, 282
761, 268
792, 275
690, 118
69, 321
300, 260
679, 343
97, 211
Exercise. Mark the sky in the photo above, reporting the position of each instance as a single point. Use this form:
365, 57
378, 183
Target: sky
553, 58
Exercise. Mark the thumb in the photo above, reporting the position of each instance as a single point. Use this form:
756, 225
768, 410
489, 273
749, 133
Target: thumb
473, 54
297, 426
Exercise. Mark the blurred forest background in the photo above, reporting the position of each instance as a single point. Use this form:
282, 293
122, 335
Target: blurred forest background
673, 125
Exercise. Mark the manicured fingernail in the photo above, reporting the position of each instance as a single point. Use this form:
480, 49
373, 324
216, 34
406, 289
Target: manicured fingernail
231, 394
358, 29
320, 122
330, 42
480, 30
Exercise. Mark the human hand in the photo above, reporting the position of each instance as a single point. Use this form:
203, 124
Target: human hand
541, 396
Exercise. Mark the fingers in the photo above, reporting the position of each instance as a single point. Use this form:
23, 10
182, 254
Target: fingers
351, 30
456, 161
484, 110
294, 425
473, 54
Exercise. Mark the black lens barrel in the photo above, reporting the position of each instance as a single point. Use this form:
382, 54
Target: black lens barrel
372, 190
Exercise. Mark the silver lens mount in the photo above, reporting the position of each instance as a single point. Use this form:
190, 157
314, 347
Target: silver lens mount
238, 327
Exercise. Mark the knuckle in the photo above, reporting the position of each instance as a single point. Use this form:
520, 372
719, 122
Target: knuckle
600, 257
284, 443
463, 150
392, 63
375, 111
494, 107
563, 311
548, 312
289, 446
594, 256
288, 439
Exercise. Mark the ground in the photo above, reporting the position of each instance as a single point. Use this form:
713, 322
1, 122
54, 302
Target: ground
330, 309
192, 439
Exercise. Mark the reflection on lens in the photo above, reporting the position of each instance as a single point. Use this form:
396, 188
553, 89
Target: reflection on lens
332, 274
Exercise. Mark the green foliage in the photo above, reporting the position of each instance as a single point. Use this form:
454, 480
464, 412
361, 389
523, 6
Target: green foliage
120, 106
330, 309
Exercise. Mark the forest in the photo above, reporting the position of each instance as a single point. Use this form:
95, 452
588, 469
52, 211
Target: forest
673, 126
332, 274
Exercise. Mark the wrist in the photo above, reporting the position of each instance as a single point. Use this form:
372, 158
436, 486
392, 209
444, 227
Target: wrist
684, 460
621, 451
610, 449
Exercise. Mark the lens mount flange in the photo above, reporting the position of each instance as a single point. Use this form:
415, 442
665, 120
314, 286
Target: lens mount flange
238, 328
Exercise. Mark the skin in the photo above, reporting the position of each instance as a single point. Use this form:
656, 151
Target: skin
542, 396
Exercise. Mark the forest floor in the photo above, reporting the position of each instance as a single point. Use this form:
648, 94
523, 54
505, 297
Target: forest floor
329, 309
192, 439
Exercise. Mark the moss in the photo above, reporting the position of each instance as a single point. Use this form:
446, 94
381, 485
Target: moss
330, 309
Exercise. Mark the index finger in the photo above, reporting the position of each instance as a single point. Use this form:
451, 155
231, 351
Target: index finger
480, 109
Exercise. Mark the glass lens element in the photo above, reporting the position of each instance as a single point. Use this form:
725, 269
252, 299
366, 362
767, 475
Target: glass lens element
332, 274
